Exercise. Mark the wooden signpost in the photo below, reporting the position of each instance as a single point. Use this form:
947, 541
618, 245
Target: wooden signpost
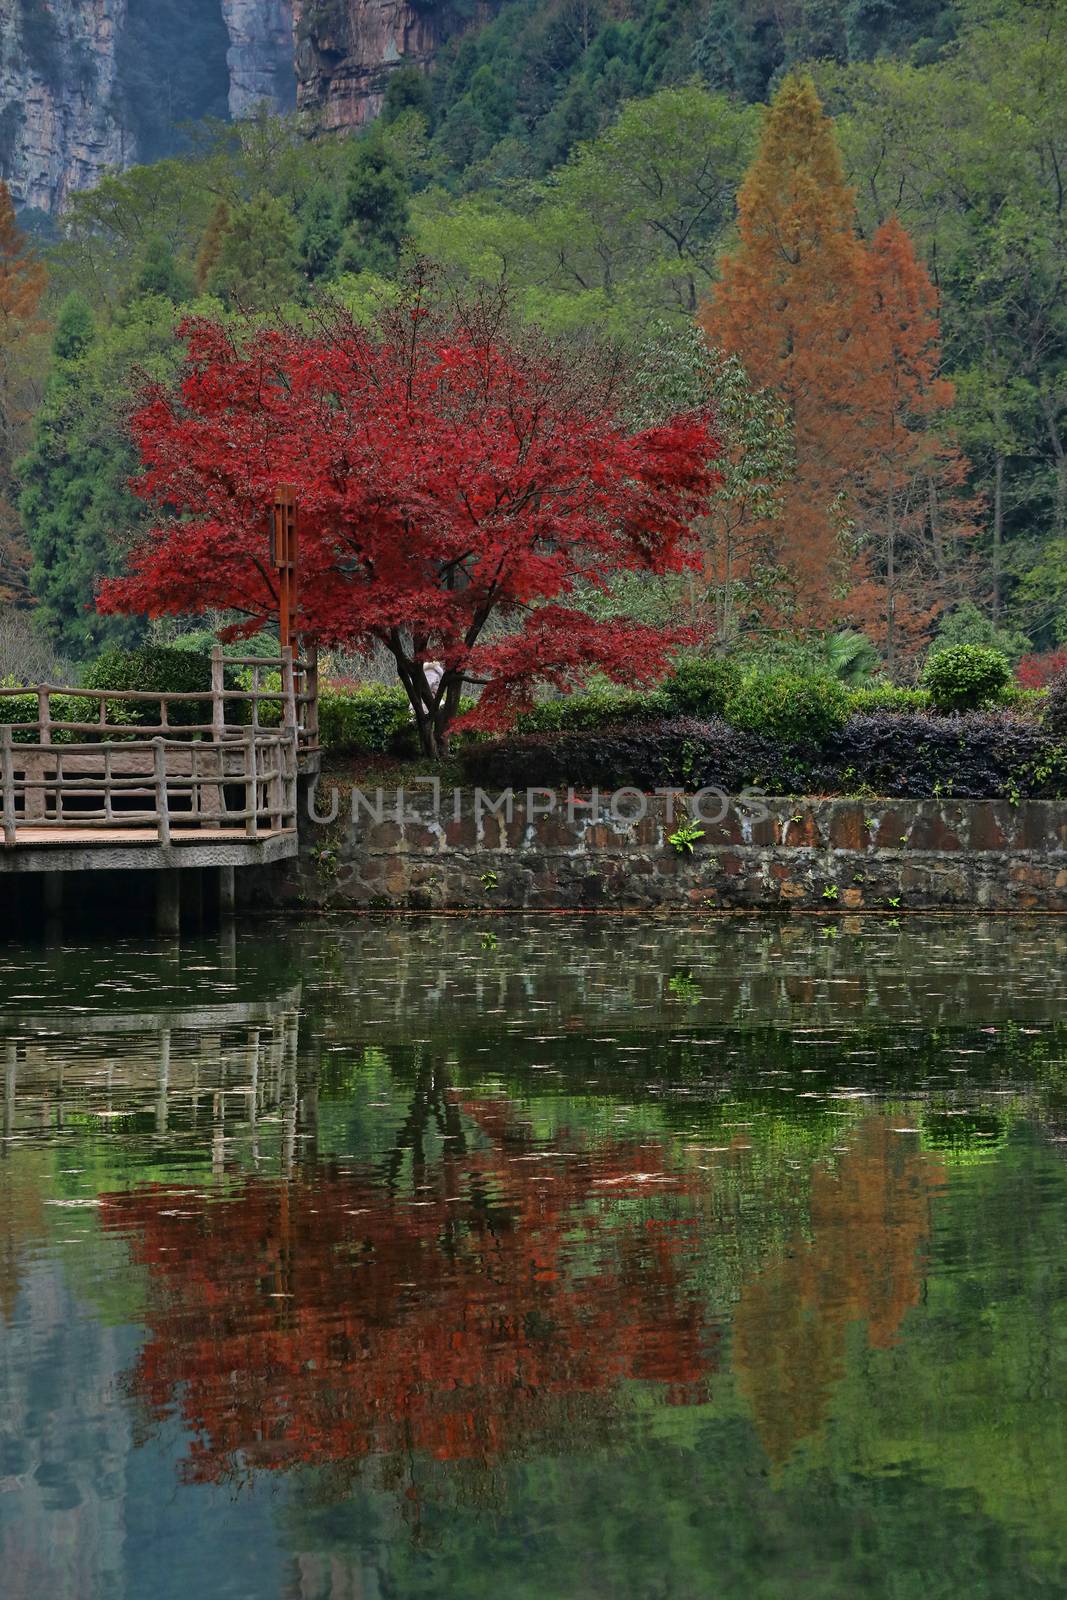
285, 559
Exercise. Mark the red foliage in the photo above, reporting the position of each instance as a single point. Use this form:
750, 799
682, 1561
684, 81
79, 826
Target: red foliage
1038, 671
451, 475
327, 1320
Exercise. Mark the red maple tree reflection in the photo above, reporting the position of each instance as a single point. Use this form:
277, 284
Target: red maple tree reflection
327, 1318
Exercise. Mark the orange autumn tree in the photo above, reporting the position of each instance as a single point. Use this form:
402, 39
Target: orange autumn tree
792, 304
22, 286
848, 338
912, 512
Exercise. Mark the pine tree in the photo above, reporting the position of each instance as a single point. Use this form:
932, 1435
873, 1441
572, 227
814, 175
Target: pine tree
375, 211
22, 285
257, 265
161, 273
793, 303
76, 504
320, 233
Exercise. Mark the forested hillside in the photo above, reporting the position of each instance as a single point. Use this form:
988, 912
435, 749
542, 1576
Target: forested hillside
868, 275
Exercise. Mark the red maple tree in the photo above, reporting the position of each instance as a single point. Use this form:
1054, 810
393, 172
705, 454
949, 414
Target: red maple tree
459, 483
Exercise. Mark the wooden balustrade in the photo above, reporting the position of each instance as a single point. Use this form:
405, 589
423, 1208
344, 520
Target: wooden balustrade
235, 772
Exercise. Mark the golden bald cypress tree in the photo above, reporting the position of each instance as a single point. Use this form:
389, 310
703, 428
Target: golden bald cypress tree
793, 302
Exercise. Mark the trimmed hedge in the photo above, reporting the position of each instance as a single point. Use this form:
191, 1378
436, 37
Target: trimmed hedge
788, 706
966, 677
685, 753
918, 755
973, 756
369, 720
593, 708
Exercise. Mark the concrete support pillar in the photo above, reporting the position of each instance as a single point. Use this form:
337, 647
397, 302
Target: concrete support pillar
193, 897
168, 903
52, 885
227, 891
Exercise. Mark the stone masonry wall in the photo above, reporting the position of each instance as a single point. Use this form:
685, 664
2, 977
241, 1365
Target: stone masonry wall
775, 855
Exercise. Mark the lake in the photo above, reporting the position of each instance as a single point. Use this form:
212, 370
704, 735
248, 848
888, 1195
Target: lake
547, 1258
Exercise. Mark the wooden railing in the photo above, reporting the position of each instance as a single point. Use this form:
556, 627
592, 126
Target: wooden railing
236, 771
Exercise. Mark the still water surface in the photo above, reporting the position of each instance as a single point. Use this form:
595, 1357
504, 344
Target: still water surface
544, 1260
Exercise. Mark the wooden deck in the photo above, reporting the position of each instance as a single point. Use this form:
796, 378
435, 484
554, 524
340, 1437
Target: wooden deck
138, 849
131, 779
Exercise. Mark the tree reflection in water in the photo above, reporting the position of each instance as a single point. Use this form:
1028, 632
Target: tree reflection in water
507, 1293
861, 1263
485, 1292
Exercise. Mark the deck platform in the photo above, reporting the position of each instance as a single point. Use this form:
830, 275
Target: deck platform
138, 849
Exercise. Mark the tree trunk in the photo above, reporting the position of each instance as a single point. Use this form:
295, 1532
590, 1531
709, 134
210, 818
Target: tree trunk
1055, 438
891, 597
998, 530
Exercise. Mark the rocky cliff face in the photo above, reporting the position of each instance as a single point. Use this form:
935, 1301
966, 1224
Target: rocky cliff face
346, 50
64, 118
260, 57
58, 126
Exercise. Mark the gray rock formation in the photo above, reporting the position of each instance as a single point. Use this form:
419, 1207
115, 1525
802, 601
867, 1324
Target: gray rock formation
58, 126
61, 118
260, 57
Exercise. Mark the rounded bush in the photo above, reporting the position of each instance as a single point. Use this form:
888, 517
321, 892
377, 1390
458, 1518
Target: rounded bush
700, 686
155, 669
1055, 716
789, 707
966, 677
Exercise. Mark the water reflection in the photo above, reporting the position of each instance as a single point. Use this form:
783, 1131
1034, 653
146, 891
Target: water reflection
611, 1259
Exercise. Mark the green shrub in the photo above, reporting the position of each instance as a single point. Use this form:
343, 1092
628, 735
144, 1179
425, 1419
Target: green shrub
62, 708
887, 697
370, 720
966, 677
1027, 701
788, 707
17, 708
594, 708
700, 686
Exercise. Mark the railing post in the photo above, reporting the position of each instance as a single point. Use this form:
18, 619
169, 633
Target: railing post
287, 754
36, 800
159, 759
218, 685
251, 788
7, 782
213, 798
311, 725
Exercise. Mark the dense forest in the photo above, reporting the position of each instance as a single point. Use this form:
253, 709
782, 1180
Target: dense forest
845, 220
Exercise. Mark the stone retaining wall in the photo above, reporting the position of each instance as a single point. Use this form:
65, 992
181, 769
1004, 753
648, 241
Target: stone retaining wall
775, 855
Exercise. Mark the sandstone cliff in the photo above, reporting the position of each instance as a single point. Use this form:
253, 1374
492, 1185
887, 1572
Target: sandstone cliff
346, 50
